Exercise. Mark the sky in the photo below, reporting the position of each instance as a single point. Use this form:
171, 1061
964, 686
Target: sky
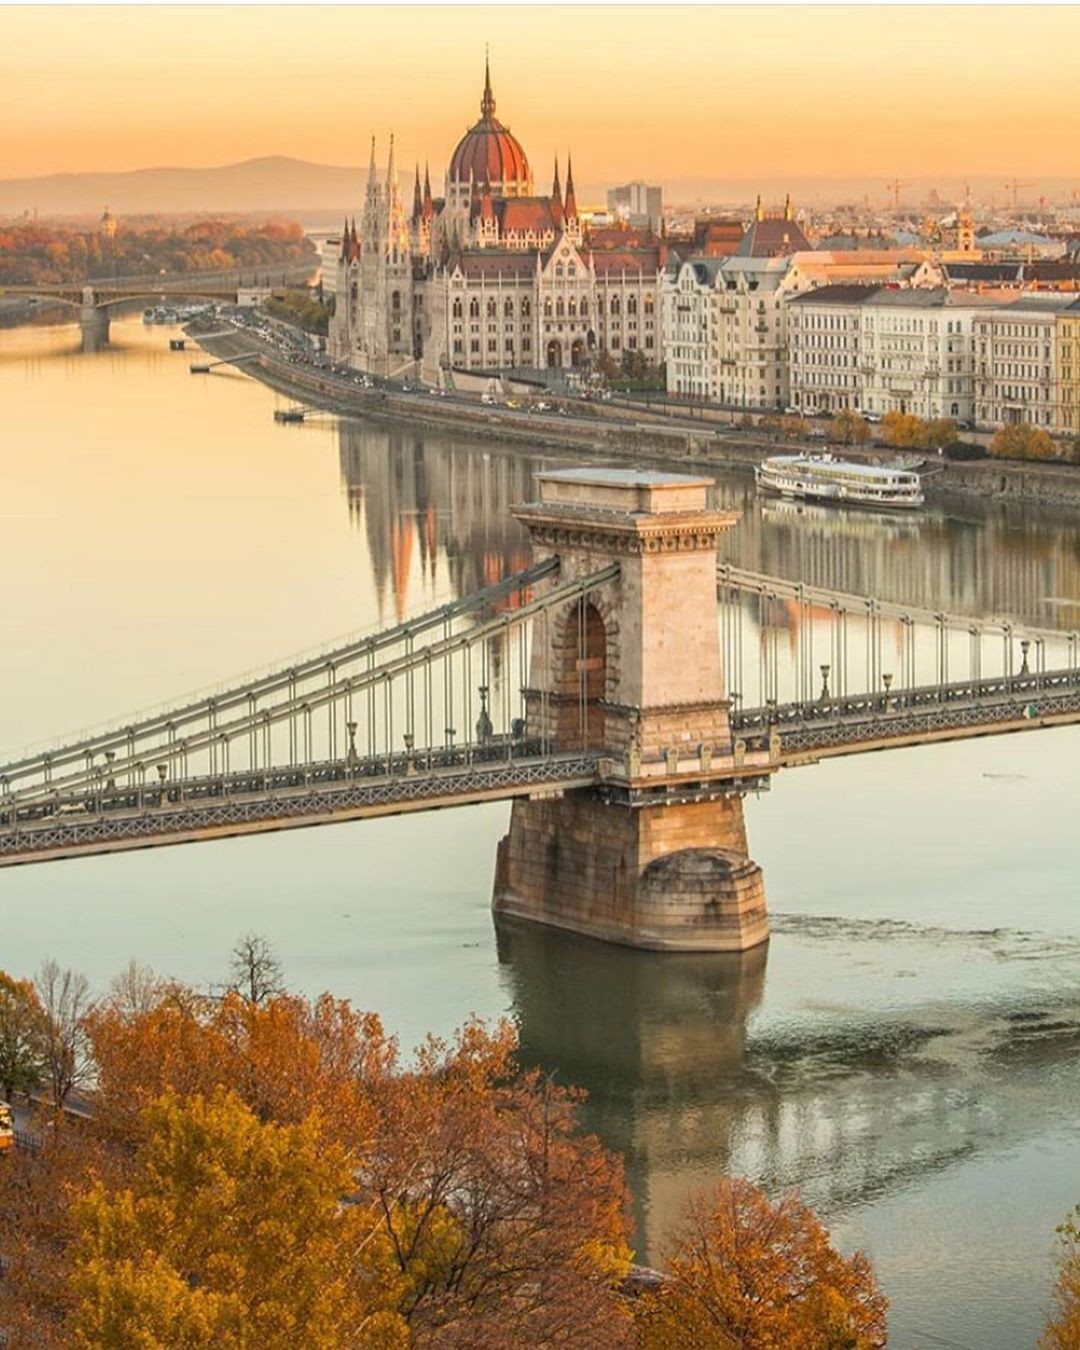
662, 93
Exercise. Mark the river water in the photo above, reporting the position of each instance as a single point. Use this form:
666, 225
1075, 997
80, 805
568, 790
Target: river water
906, 1049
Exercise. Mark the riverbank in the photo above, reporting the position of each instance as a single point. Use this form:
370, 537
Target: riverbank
611, 432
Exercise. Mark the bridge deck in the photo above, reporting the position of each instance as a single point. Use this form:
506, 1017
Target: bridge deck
824, 729
283, 799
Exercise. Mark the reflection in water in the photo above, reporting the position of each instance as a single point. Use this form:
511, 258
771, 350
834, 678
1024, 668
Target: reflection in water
656, 1040
434, 495
427, 499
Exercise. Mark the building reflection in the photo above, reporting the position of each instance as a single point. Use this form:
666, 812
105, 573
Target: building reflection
658, 1042
431, 503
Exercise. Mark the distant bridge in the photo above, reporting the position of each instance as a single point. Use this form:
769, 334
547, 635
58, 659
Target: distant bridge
102, 293
588, 689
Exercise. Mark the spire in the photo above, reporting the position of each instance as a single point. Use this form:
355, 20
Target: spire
429, 205
759, 214
390, 179
345, 241
487, 103
487, 210
787, 208
557, 213
417, 200
474, 197
571, 200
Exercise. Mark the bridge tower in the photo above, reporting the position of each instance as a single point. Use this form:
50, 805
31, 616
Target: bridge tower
93, 321
657, 855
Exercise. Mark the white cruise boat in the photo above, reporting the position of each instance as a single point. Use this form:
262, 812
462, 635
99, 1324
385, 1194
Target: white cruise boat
824, 478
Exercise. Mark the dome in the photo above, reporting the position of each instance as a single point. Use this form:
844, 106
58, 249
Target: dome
489, 154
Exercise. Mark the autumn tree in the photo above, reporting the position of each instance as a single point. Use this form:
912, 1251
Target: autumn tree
66, 1002
231, 1234
22, 1036
1021, 440
1063, 1329
849, 428
751, 1275
508, 1227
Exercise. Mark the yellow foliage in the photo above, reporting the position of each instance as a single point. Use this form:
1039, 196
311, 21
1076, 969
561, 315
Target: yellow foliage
1022, 441
232, 1234
1063, 1330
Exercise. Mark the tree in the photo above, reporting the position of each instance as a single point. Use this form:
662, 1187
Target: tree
507, 1226
22, 1036
1063, 1330
904, 431
941, 432
65, 999
255, 969
1021, 440
232, 1233
849, 428
745, 1273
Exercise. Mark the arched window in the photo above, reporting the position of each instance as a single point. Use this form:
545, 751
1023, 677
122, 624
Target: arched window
526, 308
571, 307
474, 309
631, 305
559, 307
559, 270
457, 309
395, 302
584, 309
648, 304
492, 308
547, 309
615, 305
508, 309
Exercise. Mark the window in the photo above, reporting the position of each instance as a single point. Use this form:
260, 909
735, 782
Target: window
508, 309
616, 308
571, 307
492, 308
474, 309
547, 309
457, 309
474, 345
559, 308
631, 305
526, 308
584, 309
458, 346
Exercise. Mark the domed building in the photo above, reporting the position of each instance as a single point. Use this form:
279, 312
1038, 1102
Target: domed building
490, 278
488, 154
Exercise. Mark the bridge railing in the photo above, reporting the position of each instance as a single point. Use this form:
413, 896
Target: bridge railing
458, 675
788, 643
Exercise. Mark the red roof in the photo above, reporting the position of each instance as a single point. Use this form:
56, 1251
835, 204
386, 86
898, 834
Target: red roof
487, 153
522, 214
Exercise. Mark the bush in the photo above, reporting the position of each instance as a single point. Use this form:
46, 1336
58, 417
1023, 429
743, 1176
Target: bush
965, 450
1022, 441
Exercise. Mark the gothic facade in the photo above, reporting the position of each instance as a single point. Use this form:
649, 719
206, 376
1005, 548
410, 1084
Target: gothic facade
490, 277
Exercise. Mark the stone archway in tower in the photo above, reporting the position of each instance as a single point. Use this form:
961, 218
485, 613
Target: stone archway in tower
577, 352
554, 354
582, 683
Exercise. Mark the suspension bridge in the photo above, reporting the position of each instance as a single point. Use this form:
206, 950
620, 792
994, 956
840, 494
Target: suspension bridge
625, 693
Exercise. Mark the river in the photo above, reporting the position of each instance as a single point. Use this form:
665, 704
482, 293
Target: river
905, 1050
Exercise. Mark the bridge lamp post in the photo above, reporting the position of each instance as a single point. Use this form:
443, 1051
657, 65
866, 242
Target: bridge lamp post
351, 757
886, 680
824, 695
1025, 647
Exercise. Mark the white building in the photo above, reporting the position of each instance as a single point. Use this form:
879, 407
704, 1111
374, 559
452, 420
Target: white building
917, 353
492, 276
1016, 362
824, 329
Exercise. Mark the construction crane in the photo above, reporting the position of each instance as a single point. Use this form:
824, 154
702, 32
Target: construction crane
894, 187
1014, 187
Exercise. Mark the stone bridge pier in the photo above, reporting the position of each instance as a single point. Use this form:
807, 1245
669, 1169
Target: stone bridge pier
656, 856
93, 321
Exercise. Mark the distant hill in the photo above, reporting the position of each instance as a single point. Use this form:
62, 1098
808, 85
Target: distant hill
273, 183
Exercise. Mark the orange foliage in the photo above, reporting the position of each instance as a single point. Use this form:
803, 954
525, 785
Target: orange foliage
749, 1274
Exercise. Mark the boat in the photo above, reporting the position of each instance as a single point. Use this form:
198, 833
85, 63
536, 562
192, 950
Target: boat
824, 478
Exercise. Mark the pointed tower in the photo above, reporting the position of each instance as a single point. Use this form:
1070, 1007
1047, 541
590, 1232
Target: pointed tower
557, 213
429, 204
417, 200
788, 213
573, 224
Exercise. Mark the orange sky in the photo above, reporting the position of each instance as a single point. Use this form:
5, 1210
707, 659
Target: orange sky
668, 93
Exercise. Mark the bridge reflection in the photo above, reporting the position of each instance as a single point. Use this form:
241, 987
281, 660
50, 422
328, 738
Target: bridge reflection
658, 1042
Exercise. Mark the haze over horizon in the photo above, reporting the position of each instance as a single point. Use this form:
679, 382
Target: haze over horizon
676, 95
